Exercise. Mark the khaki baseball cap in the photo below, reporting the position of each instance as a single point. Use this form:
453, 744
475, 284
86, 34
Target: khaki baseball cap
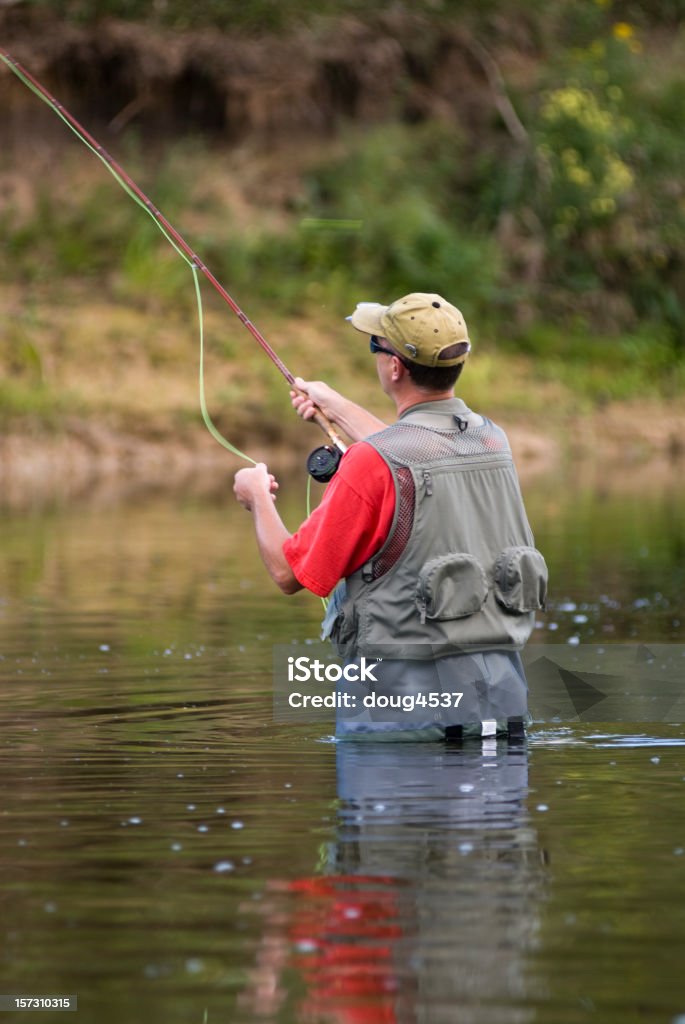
421, 326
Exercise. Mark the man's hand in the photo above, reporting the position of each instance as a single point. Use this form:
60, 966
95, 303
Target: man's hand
317, 395
249, 484
354, 421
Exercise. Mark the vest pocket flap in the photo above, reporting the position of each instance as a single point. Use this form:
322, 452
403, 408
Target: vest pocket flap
451, 587
520, 577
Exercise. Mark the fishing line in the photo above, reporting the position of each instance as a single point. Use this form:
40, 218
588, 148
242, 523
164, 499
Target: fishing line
216, 434
324, 600
57, 109
180, 246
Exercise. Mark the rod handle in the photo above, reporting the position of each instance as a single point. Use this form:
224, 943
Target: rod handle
322, 421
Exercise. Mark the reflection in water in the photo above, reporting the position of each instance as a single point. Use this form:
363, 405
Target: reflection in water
425, 902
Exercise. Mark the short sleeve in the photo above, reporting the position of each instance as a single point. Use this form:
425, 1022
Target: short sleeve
349, 526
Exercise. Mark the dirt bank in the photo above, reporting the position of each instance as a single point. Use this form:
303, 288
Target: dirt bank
85, 460
119, 74
638, 446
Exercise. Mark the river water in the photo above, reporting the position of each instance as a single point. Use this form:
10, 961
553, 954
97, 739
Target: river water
170, 853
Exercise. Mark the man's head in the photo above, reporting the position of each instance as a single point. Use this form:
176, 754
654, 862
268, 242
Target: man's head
427, 334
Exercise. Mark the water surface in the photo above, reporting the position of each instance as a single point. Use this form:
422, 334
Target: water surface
171, 854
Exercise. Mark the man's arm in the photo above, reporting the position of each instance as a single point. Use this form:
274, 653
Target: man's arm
355, 421
254, 489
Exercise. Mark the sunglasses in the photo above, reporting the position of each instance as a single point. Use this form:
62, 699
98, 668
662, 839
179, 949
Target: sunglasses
375, 346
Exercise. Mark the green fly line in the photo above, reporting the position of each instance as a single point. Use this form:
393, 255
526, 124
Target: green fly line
324, 600
181, 247
216, 434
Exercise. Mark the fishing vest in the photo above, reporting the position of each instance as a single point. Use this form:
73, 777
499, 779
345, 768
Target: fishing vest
458, 570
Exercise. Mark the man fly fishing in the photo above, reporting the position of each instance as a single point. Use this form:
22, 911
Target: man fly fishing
421, 535
421, 538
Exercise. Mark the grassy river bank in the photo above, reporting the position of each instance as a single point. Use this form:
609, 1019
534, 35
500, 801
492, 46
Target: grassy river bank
100, 342
536, 182
108, 396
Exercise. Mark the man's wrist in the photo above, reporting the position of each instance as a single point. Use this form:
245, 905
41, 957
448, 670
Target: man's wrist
261, 499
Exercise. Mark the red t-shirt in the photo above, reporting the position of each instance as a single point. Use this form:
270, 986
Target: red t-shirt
350, 525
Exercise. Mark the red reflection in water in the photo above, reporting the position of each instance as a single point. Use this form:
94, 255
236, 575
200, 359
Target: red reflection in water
341, 935
345, 938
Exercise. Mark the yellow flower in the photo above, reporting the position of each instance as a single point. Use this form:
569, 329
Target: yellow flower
618, 176
579, 176
603, 205
622, 30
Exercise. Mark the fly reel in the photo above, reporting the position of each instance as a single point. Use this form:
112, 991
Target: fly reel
323, 462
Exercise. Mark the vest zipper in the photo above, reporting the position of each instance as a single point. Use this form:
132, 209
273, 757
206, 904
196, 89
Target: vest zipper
428, 483
422, 609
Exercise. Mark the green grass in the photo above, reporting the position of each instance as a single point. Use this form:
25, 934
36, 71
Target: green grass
603, 369
36, 405
576, 302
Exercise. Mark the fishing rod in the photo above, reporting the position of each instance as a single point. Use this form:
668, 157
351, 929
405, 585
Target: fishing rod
322, 462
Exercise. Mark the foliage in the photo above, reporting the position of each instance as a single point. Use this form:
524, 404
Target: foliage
258, 16
610, 194
591, 209
575, 16
379, 221
566, 243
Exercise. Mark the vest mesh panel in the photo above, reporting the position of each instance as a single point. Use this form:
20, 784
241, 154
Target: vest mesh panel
407, 443
403, 526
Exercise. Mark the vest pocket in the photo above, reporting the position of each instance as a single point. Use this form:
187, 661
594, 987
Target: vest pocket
520, 577
340, 624
451, 587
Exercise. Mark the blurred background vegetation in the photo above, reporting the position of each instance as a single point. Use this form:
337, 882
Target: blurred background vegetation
523, 160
